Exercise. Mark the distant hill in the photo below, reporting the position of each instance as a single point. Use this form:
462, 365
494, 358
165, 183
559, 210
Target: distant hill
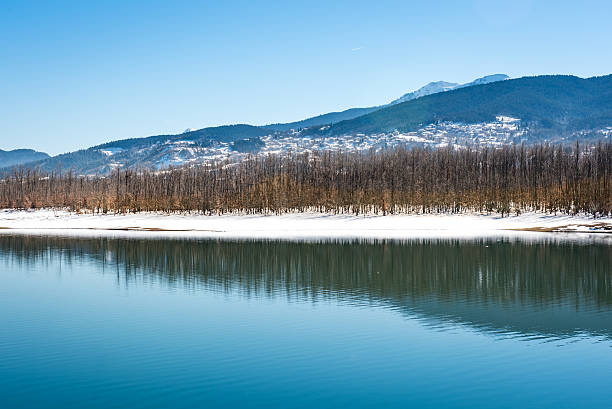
548, 104
20, 156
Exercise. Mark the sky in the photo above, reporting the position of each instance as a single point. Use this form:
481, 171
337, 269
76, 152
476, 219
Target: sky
74, 74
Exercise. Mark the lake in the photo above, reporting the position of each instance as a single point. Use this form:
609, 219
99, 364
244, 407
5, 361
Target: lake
149, 322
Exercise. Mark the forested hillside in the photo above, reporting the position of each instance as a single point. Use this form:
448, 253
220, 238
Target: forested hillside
549, 104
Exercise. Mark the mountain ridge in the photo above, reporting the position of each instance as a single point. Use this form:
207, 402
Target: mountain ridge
337, 116
530, 109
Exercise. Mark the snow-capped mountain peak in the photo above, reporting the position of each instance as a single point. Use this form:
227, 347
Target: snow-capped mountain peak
431, 88
443, 86
485, 80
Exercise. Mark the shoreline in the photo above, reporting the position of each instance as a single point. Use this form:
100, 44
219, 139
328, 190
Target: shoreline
300, 226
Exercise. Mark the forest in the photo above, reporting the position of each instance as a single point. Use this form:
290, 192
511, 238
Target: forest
504, 180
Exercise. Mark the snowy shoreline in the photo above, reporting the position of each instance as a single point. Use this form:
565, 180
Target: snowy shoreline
298, 225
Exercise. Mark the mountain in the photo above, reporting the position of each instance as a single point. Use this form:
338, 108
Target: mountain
525, 110
549, 105
20, 156
333, 117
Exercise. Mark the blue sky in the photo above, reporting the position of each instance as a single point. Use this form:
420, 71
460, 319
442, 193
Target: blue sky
78, 73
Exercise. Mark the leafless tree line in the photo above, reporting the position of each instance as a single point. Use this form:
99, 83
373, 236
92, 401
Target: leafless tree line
509, 179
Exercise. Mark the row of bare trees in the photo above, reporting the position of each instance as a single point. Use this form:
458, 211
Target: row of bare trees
509, 179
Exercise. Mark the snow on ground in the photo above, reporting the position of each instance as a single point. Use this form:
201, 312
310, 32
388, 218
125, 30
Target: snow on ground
175, 153
301, 225
503, 130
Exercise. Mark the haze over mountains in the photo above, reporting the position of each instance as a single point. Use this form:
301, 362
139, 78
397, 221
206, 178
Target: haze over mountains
488, 111
20, 156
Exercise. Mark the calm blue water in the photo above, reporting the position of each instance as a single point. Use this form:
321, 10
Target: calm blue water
102, 323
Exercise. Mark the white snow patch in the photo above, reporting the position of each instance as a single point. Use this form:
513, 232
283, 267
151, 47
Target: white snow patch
111, 151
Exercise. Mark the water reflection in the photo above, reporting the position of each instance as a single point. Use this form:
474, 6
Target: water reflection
504, 287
